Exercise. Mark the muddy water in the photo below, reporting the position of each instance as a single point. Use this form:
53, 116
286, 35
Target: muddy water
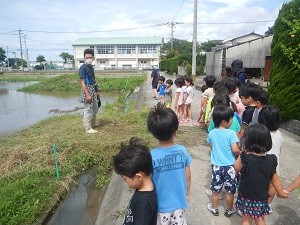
19, 109
81, 205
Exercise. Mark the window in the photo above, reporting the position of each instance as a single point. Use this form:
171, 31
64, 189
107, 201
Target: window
126, 49
81, 61
147, 49
92, 46
102, 62
105, 49
143, 62
126, 67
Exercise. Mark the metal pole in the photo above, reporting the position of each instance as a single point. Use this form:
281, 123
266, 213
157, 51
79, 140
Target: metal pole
172, 32
194, 40
7, 57
21, 49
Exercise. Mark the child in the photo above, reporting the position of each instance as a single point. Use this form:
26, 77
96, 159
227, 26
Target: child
171, 167
200, 119
223, 100
134, 164
249, 92
223, 143
189, 99
178, 101
269, 116
257, 169
161, 88
208, 94
239, 105
261, 101
168, 93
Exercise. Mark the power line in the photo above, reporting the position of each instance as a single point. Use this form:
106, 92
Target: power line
178, 9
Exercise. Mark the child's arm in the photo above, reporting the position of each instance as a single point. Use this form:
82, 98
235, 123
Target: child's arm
235, 149
295, 184
241, 133
238, 166
188, 175
278, 186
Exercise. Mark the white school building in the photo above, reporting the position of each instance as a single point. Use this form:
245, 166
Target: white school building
120, 52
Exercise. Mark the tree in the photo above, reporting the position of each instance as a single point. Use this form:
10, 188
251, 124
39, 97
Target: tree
2, 56
208, 45
40, 59
16, 63
270, 31
66, 57
285, 50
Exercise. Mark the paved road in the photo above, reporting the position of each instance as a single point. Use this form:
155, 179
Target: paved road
286, 212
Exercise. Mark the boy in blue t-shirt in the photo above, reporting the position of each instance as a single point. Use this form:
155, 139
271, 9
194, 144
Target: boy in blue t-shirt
171, 167
223, 143
161, 89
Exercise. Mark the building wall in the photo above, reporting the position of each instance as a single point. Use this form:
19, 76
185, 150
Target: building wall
214, 63
134, 60
252, 53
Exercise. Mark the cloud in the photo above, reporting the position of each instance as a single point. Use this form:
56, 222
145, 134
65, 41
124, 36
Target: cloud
75, 15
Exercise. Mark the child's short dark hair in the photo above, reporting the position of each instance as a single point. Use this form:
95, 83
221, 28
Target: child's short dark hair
219, 87
88, 51
230, 84
189, 79
179, 82
269, 116
263, 97
257, 138
237, 82
250, 90
210, 80
133, 158
162, 78
203, 88
222, 113
169, 81
162, 123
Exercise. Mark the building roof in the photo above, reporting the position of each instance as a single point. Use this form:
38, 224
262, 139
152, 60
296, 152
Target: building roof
118, 41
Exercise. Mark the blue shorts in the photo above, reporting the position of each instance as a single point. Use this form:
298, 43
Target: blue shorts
223, 176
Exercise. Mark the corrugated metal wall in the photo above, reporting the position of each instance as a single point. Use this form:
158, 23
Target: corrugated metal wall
214, 63
252, 53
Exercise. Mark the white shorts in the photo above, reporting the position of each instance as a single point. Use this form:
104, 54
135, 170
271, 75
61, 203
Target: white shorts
170, 218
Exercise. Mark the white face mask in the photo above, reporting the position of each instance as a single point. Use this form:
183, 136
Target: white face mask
89, 61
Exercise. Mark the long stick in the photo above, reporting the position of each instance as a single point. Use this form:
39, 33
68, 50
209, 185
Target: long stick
56, 163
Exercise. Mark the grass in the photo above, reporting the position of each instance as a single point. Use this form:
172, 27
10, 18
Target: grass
22, 78
71, 83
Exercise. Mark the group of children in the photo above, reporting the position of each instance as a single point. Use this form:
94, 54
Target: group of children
245, 143
183, 99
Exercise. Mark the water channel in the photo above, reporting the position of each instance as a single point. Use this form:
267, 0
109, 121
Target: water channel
20, 109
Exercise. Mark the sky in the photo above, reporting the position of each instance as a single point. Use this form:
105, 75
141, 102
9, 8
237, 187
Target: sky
51, 27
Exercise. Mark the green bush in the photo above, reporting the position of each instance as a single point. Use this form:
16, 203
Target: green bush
170, 65
285, 50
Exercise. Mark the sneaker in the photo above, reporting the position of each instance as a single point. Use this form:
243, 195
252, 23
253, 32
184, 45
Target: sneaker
209, 193
229, 213
215, 211
91, 131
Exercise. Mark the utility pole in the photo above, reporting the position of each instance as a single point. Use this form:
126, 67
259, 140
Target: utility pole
194, 41
26, 50
21, 49
7, 57
172, 25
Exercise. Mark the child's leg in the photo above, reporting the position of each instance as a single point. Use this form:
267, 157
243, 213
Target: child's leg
189, 112
215, 199
260, 220
229, 200
180, 112
185, 112
246, 220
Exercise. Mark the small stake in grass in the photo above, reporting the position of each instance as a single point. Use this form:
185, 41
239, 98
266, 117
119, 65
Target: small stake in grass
56, 163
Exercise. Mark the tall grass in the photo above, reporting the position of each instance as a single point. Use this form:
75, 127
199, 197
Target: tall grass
71, 82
